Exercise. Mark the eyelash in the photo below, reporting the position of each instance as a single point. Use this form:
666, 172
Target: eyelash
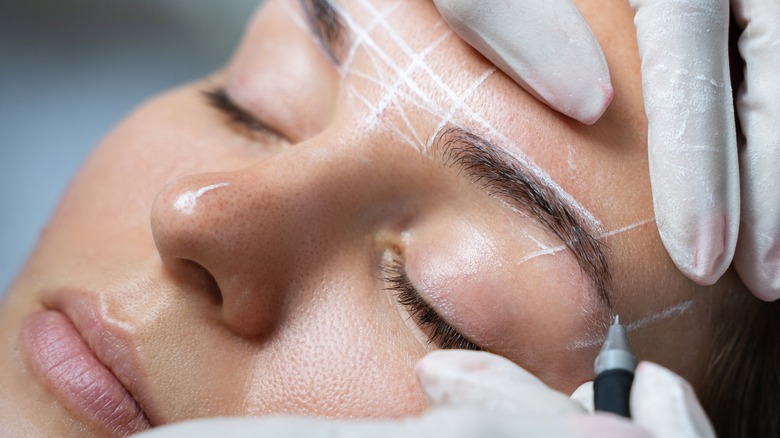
439, 331
218, 99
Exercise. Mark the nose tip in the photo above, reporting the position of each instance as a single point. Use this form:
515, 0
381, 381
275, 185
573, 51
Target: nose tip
183, 213
203, 230
180, 214
187, 202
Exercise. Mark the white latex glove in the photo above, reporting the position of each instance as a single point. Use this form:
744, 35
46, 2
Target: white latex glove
547, 46
477, 394
543, 45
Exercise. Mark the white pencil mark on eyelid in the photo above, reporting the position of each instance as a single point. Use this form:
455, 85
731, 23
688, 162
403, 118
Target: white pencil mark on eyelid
653, 318
187, 201
531, 237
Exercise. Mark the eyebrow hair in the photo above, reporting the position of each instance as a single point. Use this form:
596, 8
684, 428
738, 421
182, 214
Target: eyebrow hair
326, 24
506, 177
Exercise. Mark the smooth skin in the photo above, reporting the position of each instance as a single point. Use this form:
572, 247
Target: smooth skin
243, 271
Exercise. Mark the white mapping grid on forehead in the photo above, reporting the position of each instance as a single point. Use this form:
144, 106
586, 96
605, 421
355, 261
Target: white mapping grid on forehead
420, 99
393, 94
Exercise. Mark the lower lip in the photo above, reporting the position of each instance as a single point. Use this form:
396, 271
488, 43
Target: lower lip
69, 368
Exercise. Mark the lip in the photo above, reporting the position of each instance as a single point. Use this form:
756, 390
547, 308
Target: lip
85, 364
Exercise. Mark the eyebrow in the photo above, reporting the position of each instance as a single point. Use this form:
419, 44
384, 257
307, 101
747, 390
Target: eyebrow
501, 175
326, 25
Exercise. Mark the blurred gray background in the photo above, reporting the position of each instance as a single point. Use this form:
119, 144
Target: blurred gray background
69, 70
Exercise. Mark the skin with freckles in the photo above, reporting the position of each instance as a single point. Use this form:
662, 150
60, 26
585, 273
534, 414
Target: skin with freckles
241, 272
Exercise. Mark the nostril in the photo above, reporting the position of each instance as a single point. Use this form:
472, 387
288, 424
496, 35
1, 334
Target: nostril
193, 275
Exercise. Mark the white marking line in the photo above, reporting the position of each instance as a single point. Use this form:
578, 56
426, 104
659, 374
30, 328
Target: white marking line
186, 202
404, 77
559, 248
375, 51
539, 173
627, 228
570, 157
406, 96
545, 251
427, 104
387, 126
669, 312
461, 102
675, 310
358, 42
539, 243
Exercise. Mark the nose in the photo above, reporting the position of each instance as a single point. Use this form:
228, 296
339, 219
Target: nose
250, 235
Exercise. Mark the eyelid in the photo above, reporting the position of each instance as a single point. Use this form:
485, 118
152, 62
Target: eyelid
219, 99
439, 331
327, 26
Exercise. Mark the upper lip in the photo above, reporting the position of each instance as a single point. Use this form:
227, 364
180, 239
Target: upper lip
111, 344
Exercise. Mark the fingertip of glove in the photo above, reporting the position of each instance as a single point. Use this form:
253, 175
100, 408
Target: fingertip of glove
442, 367
665, 403
768, 293
584, 396
701, 248
595, 103
605, 426
759, 269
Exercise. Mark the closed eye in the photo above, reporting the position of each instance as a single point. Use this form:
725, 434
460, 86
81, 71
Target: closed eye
440, 333
244, 120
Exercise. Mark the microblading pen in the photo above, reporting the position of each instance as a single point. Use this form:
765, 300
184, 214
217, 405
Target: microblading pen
614, 370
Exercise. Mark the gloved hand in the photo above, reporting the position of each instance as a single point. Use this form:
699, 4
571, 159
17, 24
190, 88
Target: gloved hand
694, 167
477, 394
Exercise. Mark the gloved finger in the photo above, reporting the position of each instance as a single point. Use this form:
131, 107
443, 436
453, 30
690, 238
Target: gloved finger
665, 404
683, 45
757, 258
243, 427
544, 45
584, 396
488, 381
449, 422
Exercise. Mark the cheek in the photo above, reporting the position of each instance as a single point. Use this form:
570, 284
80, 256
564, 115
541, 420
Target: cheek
341, 350
111, 197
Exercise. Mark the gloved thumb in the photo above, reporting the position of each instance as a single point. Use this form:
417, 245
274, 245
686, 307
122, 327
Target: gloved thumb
584, 396
488, 382
664, 403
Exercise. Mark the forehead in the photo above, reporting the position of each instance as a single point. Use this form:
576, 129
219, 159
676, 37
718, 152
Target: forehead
403, 65
402, 62
406, 71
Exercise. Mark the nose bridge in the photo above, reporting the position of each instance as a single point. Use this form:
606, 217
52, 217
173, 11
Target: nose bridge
257, 229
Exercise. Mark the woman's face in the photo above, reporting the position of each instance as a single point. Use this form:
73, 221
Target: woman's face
351, 188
